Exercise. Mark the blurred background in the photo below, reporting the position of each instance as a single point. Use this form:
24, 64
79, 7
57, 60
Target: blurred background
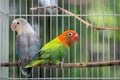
93, 46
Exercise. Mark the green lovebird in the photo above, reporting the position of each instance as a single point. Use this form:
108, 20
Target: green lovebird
55, 50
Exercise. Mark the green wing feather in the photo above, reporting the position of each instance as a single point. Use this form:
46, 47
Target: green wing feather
52, 52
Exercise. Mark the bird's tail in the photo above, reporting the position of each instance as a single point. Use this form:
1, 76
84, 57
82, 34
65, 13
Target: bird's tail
35, 63
26, 71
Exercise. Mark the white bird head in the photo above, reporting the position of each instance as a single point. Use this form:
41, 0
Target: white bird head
20, 25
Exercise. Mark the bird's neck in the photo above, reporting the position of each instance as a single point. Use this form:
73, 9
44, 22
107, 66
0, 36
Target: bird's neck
24, 30
66, 43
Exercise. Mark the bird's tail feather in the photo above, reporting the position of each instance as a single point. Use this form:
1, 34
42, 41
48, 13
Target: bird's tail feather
26, 71
35, 63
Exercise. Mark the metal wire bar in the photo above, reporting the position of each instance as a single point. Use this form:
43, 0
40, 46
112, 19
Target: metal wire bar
92, 45
63, 31
66, 78
80, 15
114, 41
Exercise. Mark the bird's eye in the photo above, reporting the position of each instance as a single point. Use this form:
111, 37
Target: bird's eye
18, 22
70, 34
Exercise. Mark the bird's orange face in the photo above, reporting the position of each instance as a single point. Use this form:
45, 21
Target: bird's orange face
69, 37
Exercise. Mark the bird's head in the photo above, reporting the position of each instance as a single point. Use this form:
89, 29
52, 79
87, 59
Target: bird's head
69, 37
18, 24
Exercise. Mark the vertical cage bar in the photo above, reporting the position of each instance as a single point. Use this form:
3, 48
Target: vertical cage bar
14, 42
98, 50
86, 39
20, 7
108, 37
114, 41
97, 36
69, 28
75, 44
57, 29
13, 57
44, 36
81, 52
39, 33
0, 40
51, 19
62, 32
7, 34
26, 2
103, 41
92, 45
32, 27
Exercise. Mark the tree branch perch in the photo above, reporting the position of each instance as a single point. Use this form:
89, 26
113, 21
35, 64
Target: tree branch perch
71, 65
78, 18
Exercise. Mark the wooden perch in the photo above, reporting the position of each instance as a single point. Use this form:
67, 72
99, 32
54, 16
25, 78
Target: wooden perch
71, 65
78, 18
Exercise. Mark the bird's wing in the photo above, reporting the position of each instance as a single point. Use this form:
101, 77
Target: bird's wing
27, 46
50, 48
22, 46
34, 44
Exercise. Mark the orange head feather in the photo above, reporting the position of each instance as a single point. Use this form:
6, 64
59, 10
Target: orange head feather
68, 37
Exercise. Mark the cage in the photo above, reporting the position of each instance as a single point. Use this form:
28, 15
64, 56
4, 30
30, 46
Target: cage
93, 46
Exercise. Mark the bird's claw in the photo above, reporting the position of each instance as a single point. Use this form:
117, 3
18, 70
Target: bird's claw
19, 63
50, 63
61, 65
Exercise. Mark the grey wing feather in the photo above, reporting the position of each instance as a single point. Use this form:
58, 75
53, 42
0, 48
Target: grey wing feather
22, 46
27, 46
34, 45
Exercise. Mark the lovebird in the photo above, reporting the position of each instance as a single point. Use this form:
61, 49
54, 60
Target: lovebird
27, 43
55, 50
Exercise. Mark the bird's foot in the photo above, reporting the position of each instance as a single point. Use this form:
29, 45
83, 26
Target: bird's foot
19, 63
61, 65
51, 64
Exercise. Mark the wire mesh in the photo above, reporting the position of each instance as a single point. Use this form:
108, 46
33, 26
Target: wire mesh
93, 46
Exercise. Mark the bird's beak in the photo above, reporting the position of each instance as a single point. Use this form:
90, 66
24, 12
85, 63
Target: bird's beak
76, 37
13, 26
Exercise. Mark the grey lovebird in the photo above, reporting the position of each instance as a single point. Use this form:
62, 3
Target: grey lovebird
27, 43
